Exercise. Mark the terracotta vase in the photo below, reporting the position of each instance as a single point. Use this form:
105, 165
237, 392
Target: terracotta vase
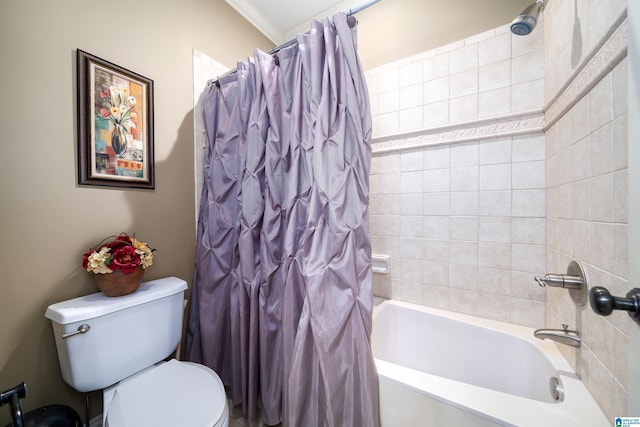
117, 284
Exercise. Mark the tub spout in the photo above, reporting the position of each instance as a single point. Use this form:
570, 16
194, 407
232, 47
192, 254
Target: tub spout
563, 336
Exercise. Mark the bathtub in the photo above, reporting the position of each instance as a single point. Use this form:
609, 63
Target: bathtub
439, 368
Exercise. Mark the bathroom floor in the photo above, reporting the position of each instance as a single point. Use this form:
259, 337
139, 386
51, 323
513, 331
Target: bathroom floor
237, 419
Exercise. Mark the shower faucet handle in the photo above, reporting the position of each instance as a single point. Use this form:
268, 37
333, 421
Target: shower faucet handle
603, 303
575, 281
560, 281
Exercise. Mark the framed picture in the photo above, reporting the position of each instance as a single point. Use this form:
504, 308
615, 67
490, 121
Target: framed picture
115, 125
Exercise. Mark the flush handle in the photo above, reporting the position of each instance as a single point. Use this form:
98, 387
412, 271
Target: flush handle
603, 303
82, 329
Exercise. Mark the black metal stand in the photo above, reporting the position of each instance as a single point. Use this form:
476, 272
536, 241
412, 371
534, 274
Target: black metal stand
12, 397
46, 416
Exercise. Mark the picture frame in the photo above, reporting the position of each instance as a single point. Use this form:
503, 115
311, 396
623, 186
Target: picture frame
115, 125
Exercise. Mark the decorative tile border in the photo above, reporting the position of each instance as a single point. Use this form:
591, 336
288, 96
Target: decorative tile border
503, 126
612, 50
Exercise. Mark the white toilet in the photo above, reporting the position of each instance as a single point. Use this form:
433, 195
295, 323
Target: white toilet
119, 345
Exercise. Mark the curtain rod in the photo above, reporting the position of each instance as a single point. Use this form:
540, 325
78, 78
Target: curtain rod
294, 40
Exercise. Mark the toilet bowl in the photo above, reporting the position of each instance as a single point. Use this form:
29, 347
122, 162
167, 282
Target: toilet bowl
121, 345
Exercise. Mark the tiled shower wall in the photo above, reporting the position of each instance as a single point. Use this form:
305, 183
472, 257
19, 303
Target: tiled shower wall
462, 217
587, 221
464, 224
457, 195
488, 75
587, 183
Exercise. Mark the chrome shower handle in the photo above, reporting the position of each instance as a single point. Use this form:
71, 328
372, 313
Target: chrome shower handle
560, 281
82, 329
575, 281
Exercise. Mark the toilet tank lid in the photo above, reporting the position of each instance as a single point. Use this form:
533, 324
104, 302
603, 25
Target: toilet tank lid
96, 305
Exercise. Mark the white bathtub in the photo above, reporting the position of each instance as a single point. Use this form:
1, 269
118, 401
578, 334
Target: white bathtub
439, 368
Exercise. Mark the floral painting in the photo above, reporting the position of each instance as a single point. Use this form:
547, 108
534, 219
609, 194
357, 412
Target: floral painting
115, 125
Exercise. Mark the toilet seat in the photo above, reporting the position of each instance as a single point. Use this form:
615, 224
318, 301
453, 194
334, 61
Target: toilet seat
168, 395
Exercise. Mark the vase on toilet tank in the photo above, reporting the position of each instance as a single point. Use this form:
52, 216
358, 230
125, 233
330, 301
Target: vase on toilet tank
117, 283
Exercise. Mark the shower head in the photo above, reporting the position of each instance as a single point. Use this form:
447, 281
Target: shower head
527, 20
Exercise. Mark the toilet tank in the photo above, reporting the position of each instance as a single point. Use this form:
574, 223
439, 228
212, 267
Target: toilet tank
125, 334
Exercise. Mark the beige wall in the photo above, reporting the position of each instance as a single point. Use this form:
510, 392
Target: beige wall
393, 30
47, 219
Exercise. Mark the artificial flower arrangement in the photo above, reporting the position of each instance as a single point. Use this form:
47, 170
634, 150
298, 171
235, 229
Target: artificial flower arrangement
124, 253
118, 108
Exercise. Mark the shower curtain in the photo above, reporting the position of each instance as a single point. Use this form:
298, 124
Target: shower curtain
282, 297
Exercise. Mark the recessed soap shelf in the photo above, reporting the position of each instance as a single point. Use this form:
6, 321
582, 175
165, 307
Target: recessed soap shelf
380, 263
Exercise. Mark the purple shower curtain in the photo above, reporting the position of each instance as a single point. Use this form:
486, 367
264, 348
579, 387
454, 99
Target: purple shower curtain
282, 298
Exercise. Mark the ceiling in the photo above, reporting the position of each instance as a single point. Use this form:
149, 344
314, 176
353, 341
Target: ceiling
388, 30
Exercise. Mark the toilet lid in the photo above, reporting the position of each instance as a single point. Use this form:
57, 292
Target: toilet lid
171, 394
